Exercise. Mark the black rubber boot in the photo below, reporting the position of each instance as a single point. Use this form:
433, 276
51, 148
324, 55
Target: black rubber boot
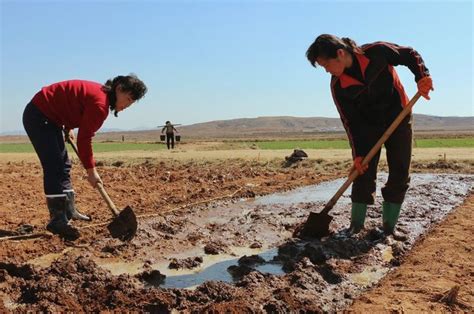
59, 223
72, 212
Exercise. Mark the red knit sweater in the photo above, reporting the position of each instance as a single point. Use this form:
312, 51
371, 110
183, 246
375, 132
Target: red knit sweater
75, 104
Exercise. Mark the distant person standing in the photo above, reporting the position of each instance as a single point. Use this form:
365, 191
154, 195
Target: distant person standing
169, 128
369, 96
59, 108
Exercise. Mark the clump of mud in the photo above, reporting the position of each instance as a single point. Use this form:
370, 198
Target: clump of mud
152, 277
452, 166
189, 263
214, 248
76, 283
246, 265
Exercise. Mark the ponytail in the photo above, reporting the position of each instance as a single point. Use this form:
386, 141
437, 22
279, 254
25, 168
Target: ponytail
351, 45
326, 46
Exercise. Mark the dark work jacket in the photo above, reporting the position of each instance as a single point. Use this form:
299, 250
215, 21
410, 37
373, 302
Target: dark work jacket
369, 94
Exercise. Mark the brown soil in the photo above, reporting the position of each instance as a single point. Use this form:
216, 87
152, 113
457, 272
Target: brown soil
74, 282
148, 188
439, 262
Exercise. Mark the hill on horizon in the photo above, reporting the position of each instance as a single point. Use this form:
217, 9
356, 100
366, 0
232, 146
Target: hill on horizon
280, 126
286, 124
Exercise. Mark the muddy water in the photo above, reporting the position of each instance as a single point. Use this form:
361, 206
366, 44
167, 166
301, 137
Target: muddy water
267, 222
213, 267
216, 269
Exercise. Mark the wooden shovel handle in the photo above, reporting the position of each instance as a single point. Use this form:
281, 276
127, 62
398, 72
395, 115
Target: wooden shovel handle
354, 174
100, 187
107, 199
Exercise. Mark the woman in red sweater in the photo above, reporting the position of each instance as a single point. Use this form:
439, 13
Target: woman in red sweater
62, 107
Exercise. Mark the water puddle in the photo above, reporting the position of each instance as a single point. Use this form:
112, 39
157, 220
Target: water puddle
268, 221
47, 259
213, 267
369, 276
313, 193
118, 267
215, 270
387, 254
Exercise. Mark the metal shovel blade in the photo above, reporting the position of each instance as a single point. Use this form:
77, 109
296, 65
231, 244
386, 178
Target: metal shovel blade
124, 226
317, 225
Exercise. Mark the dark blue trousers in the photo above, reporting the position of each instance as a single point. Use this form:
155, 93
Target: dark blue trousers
48, 140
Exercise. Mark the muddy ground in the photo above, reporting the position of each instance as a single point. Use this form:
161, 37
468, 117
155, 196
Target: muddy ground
183, 221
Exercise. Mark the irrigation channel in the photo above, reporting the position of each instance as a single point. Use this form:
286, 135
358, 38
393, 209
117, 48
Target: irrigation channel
248, 245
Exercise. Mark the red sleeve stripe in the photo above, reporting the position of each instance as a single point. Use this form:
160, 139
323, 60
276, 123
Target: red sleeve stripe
343, 117
364, 62
398, 86
419, 62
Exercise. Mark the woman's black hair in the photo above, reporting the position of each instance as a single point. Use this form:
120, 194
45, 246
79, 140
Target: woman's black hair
129, 83
326, 46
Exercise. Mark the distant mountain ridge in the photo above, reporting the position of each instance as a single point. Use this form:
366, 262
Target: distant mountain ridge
279, 125
264, 125
286, 124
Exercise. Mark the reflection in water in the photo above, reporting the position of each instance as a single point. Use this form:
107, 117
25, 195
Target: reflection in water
214, 267
218, 272
313, 193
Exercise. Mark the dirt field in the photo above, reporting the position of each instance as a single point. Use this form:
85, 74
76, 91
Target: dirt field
172, 192
203, 152
440, 261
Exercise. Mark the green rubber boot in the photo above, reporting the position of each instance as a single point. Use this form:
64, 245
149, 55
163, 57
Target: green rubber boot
358, 212
390, 214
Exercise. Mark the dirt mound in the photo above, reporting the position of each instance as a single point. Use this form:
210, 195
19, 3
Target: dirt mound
76, 283
190, 262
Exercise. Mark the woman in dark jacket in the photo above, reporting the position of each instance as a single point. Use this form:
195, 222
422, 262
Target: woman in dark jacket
369, 96
59, 108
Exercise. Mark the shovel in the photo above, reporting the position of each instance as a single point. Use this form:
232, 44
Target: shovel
124, 225
317, 225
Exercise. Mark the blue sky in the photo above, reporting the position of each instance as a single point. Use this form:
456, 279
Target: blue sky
217, 60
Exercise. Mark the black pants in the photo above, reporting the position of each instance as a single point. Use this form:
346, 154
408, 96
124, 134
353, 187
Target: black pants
170, 138
48, 141
398, 149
